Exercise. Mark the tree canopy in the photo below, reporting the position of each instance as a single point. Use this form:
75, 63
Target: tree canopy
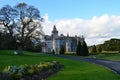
94, 50
22, 22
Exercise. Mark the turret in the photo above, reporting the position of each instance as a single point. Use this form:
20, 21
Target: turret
54, 32
54, 38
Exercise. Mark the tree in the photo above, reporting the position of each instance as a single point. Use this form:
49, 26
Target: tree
62, 50
30, 46
79, 49
99, 49
84, 49
93, 49
22, 22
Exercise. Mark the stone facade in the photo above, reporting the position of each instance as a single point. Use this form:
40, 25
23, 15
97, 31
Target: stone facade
55, 41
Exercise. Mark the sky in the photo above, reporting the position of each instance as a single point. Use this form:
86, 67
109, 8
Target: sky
96, 20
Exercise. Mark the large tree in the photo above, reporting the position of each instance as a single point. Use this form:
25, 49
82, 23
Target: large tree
22, 22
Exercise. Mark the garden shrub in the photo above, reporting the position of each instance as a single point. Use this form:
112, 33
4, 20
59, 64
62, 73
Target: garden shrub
30, 72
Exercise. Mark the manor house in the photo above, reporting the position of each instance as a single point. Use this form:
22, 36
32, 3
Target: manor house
55, 41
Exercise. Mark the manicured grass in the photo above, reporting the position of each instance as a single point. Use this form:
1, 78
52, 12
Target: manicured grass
70, 53
73, 70
114, 57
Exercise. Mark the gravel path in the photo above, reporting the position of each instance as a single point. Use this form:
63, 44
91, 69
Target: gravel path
113, 65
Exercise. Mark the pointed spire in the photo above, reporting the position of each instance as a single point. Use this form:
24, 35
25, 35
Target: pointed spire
54, 30
67, 35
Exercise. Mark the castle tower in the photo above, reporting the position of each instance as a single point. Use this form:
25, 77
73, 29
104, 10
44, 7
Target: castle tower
54, 32
54, 44
54, 38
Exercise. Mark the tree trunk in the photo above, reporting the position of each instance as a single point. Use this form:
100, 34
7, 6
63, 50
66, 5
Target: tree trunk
20, 48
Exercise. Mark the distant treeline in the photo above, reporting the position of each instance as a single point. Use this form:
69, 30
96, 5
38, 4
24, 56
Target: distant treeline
112, 45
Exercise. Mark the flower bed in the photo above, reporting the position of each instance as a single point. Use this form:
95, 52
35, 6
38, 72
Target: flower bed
30, 72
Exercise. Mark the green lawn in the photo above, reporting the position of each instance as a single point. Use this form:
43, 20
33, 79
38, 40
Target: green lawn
107, 56
73, 70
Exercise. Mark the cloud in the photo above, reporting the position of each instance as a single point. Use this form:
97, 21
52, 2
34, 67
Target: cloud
46, 17
95, 30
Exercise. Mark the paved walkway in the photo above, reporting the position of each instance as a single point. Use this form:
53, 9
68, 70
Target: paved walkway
113, 65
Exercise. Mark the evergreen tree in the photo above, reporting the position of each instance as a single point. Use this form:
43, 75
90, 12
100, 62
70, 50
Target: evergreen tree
93, 49
53, 51
84, 49
78, 50
62, 50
